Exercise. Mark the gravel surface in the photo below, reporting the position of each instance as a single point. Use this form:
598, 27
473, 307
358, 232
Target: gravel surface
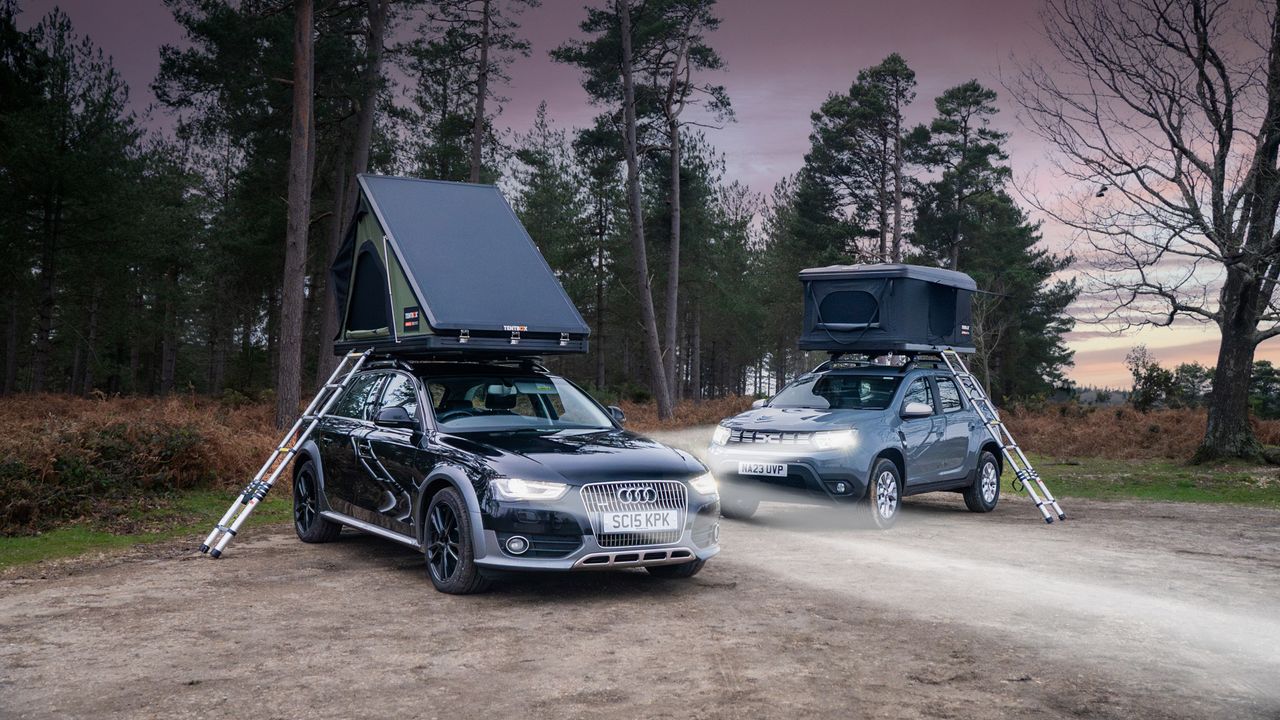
1127, 610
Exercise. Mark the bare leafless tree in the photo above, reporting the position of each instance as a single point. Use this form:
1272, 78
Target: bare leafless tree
1165, 119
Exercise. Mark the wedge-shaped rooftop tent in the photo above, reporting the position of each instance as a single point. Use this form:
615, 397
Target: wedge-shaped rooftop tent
431, 267
883, 308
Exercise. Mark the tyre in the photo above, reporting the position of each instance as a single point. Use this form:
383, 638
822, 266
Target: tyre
307, 522
984, 493
683, 570
884, 494
450, 555
736, 506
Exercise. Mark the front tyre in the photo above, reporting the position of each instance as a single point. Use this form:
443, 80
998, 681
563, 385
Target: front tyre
448, 548
307, 521
884, 494
984, 493
683, 570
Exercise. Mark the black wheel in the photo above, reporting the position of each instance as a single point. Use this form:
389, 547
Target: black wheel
683, 570
984, 493
307, 522
736, 506
884, 494
451, 561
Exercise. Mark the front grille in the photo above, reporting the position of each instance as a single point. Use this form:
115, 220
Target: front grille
603, 497
770, 437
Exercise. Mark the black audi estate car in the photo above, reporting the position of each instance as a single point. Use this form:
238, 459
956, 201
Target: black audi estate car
494, 466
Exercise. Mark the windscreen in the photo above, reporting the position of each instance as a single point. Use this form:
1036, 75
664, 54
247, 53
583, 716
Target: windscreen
839, 392
494, 403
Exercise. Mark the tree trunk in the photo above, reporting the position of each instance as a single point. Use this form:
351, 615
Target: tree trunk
673, 266
91, 342
644, 289
882, 200
169, 334
1228, 433
11, 344
695, 354
897, 187
482, 90
599, 331
48, 298
327, 306
289, 370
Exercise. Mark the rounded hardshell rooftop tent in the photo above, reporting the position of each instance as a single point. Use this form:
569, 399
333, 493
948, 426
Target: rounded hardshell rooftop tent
431, 267
886, 308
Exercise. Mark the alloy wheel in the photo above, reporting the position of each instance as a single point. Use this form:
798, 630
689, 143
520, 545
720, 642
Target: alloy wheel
444, 551
990, 482
304, 500
886, 495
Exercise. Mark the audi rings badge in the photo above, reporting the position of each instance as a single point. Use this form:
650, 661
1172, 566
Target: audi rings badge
632, 495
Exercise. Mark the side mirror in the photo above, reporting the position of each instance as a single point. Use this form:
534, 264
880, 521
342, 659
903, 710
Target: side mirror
757, 404
619, 416
916, 410
395, 417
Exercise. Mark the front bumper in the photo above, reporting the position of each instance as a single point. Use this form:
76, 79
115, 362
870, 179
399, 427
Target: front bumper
812, 475
554, 527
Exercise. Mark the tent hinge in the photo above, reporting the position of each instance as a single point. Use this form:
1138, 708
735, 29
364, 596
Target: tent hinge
515, 337
464, 337
564, 339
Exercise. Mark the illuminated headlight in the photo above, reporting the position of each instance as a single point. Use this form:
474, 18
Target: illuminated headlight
705, 484
505, 488
721, 435
835, 439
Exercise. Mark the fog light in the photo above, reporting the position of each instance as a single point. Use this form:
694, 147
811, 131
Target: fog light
516, 545
841, 488
715, 533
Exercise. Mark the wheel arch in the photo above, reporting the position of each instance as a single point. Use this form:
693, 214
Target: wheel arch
893, 455
449, 477
992, 447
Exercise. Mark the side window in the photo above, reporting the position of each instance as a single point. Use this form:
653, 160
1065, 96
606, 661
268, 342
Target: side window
919, 392
949, 395
360, 396
400, 392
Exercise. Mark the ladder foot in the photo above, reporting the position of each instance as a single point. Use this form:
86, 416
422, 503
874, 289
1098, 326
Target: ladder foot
1048, 521
215, 553
204, 548
1062, 516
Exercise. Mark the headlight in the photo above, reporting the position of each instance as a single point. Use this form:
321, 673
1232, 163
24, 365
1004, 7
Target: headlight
720, 436
705, 484
505, 488
835, 439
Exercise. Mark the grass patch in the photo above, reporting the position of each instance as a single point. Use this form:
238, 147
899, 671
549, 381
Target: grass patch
191, 513
1159, 479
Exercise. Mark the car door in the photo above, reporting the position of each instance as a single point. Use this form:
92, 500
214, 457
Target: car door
959, 422
346, 421
919, 434
394, 459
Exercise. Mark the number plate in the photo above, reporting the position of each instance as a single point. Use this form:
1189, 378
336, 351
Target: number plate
639, 521
766, 469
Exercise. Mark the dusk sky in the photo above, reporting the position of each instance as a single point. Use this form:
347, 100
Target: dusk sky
782, 59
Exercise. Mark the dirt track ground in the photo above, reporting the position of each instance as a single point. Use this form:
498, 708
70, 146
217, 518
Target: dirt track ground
1129, 610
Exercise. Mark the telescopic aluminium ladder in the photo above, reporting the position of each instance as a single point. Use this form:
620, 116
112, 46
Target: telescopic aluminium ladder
1013, 455
257, 488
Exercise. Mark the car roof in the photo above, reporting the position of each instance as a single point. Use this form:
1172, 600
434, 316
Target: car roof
427, 369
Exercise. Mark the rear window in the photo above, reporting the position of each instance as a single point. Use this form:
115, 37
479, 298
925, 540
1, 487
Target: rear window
839, 392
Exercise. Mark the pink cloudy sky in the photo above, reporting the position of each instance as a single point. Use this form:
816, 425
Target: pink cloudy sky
782, 59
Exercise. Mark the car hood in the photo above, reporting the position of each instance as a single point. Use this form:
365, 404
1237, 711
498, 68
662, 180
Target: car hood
579, 457
802, 419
